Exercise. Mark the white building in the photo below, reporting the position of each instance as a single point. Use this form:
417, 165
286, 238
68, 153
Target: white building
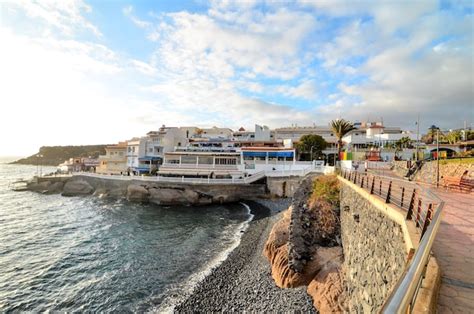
146, 154
374, 134
262, 133
135, 149
242, 162
294, 133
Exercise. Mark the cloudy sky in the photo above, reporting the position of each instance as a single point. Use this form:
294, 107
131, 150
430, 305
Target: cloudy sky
87, 72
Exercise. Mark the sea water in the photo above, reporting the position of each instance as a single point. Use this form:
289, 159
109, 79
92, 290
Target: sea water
90, 254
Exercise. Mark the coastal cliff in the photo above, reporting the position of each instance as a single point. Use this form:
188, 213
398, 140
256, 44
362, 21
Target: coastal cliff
304, 246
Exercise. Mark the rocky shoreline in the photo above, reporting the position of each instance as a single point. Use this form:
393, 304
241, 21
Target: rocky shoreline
243, 281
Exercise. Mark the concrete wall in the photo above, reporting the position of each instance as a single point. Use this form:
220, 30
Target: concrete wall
375, 242
284, 186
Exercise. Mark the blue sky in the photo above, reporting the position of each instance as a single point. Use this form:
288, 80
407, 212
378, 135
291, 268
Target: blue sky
105, 71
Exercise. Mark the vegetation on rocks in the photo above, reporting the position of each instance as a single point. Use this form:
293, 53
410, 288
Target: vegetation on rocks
304, 247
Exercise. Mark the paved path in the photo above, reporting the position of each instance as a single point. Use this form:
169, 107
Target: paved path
454, 250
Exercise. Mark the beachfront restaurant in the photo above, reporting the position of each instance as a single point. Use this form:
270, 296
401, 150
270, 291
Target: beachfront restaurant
267, 158
201, 164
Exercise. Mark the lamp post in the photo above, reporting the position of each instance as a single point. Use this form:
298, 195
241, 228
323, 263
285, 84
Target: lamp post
437, 157
417, 136
433, 128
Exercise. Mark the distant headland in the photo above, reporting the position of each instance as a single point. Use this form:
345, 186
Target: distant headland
54, 155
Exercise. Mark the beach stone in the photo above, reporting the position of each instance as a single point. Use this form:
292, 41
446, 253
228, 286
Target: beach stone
77, 187
137, 193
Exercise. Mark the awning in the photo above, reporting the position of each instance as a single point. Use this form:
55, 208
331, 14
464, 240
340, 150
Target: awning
141, 168
149, 158
270, 154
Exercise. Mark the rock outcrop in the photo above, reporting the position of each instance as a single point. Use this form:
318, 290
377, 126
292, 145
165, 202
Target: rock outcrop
327, 289
137, 193
304, 249
148, 191
76, 188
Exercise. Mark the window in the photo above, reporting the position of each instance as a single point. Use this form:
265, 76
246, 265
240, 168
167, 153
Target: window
226, 161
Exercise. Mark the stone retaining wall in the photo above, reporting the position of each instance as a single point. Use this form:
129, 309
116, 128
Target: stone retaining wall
427, 173
375, 252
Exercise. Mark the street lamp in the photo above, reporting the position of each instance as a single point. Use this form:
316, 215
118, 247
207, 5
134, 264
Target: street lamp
433, 128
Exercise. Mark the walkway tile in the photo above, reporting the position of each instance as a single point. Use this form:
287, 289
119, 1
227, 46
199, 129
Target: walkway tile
454, 249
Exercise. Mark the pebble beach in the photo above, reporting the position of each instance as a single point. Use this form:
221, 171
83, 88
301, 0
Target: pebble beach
243, 281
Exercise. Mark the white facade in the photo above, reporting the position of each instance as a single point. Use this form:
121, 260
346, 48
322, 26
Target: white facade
294, 133
166, 139
375, 136
262, 133
135, 150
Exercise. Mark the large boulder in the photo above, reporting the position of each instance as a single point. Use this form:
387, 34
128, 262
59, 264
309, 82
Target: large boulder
180, 196
55, 187
167, 196
137, 193
39, 187
77, 187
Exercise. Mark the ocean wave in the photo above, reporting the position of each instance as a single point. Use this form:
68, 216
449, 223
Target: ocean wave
180, 292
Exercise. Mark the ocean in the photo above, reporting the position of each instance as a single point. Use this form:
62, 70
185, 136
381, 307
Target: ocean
90, 254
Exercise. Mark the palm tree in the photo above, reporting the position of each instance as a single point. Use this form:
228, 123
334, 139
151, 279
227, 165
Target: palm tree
340, 128
405, 142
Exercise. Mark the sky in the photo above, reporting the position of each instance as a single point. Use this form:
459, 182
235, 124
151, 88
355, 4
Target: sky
91, 72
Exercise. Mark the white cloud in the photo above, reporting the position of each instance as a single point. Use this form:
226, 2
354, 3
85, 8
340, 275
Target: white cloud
305, 90
268, 46
144, 67
66, 16
128, 12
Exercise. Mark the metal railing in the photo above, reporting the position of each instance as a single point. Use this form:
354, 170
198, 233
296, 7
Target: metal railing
421, 206
246, 180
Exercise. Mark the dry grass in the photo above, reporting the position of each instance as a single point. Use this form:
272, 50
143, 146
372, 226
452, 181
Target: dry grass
326, 188
322, 204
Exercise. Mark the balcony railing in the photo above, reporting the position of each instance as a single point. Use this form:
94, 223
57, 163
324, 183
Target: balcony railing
198, 166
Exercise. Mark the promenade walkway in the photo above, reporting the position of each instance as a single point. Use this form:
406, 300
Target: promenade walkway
454, 250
